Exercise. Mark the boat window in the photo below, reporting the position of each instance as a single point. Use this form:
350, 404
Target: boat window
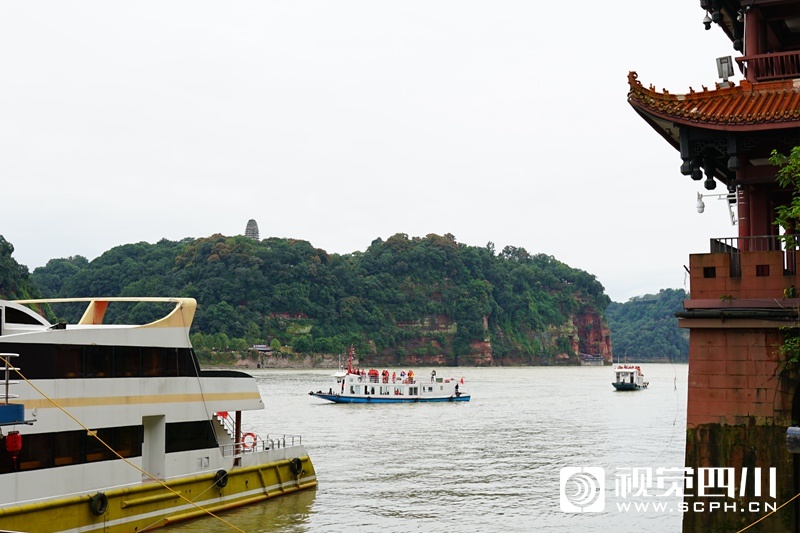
15, 316
46, 450
183, 436
154, 362
95, 451
127, 361
128, 441
176, 362
67, 448
48, 361
98, 361
35, 361
69, 361
40, 453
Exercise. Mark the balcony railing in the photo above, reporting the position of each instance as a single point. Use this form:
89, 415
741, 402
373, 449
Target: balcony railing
788, 244
766, 67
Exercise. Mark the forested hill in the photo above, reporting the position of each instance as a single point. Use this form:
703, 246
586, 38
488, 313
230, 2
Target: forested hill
645, 328
14, 278
420, 300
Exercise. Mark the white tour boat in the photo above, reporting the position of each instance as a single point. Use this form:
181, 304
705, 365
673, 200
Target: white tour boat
629, 377
373, 386
116, 428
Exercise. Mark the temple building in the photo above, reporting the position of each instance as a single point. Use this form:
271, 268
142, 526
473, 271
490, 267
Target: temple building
743, 305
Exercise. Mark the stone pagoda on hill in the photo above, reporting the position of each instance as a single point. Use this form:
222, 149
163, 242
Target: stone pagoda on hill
252, 229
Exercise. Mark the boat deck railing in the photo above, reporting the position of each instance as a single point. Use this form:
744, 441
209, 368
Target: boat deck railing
7, 368
270, 442
381, 378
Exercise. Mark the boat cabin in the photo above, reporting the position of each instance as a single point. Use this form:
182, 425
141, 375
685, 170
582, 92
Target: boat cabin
629, 377
381, 385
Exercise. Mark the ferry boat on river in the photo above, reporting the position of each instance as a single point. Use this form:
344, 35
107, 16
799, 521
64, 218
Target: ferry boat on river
629, 377
373, 386
116, 428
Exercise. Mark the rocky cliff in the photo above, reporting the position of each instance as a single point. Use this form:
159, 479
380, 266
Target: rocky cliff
428, 342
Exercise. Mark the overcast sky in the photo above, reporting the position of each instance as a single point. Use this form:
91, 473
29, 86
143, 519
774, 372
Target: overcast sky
338, 122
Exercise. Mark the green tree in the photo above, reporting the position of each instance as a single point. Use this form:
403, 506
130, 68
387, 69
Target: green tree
14, 278
302, 344
788, 177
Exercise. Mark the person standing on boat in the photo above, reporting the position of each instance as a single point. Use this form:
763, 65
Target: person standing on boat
433, 376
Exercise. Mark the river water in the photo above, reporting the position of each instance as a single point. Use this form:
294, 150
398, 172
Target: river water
493, 463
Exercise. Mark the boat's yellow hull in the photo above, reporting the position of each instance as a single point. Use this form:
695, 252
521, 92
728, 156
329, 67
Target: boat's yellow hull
150, 505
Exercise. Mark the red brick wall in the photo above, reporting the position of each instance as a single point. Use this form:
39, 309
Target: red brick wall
733, 375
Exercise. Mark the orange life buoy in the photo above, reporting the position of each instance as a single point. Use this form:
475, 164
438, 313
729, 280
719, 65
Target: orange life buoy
247, 445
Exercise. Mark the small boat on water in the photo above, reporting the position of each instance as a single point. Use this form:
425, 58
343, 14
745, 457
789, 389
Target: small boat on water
373, 386
116, 428
629, 377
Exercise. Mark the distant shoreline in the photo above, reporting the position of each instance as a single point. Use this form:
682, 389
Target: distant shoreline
325, 362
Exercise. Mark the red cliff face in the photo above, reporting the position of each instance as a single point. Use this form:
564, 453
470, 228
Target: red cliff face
593, 336
432, 344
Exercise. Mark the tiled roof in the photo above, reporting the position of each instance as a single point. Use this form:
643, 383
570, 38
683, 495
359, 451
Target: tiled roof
745, 106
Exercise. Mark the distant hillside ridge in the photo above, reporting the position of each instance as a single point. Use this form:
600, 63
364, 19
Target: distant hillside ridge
645, 328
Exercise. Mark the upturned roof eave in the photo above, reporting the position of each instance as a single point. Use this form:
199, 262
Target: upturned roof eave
712, 125
692, 109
